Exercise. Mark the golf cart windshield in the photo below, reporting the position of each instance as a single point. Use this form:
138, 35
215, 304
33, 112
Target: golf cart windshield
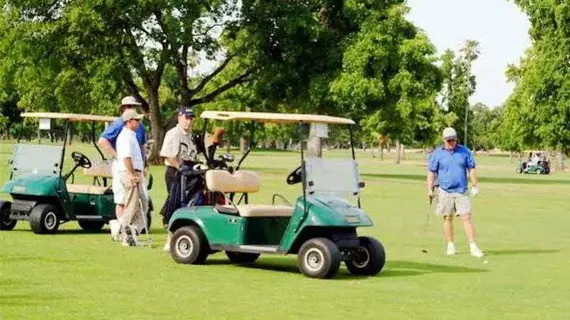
36, 159
332, 177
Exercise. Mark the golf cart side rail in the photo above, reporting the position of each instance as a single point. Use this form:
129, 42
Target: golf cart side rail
274, 117
74, 117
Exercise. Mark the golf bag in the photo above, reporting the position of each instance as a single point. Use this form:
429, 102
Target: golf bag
187, 190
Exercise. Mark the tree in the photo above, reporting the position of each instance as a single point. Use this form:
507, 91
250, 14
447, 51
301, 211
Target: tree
459, 84
388, 81
539, 107
484, 123
94, 50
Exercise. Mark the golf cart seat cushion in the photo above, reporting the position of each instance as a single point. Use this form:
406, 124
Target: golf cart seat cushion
240, 181
257, 210
86, 189
101, 169
264, 210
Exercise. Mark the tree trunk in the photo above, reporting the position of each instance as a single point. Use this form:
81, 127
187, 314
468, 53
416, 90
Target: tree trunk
398, 153
381, 147
243, 145
157, 128
314, 145
510, 157
560, 160
402, 150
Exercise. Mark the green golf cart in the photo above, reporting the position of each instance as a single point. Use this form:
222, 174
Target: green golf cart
320, 227
46, 196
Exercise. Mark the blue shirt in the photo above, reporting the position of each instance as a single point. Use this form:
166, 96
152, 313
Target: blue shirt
451, 167
112, 132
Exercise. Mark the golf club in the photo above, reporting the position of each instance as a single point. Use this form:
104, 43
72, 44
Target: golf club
426, 226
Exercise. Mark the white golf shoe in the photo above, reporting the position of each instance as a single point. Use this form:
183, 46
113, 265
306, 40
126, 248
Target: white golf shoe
451, 251
475, 251
115, 229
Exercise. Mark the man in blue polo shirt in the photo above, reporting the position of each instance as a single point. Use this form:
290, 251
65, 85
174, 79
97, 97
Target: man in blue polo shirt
108, 142
450, 164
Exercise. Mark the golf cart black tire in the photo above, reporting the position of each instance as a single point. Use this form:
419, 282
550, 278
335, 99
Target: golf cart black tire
376, 258
242, 257
91, 226
6, 223
200, 247
329, 254
40, 219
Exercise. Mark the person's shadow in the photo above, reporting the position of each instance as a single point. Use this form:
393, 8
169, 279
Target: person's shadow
519, 251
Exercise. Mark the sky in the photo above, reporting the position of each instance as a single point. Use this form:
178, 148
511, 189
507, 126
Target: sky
499, 26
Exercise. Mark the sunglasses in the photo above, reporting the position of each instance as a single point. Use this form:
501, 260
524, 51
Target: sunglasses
451, 140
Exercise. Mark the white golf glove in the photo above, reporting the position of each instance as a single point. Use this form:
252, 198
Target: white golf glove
200, 166
474, 191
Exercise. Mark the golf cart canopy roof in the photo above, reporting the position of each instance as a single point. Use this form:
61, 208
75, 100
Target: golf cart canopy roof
273, 117
68, 116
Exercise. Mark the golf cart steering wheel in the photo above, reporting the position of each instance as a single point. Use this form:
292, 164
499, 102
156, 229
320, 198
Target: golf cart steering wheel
295, 176
81, 160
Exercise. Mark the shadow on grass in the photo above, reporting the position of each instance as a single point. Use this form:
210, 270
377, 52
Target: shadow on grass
521, 251
410, 268
26, 299
16, 259
286, 265
153, 231
392, 268
518, 180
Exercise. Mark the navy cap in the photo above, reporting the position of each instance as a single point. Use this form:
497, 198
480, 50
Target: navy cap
186, 111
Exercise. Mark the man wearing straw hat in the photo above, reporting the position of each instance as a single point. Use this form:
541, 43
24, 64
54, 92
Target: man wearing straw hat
108, 142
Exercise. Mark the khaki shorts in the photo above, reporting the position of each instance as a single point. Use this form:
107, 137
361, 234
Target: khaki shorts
452, 203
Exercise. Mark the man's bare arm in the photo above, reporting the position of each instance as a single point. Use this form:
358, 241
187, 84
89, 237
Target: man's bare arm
473, 176
430, 180
106, 146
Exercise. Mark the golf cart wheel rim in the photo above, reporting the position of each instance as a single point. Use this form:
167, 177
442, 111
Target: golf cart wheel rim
50, 220
314, 259
361, 253
184, 246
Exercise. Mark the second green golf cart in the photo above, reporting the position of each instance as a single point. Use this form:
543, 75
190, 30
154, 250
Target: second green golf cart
320, 227
46, 196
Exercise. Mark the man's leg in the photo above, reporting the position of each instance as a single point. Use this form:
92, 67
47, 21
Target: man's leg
464, 210
169, 178
448, 228
446, 208
131, 207
469, 227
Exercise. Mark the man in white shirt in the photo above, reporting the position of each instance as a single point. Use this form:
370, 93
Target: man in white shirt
130, 164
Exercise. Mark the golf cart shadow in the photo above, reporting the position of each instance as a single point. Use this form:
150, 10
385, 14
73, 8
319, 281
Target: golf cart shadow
520, 251
284, 264
71, 231
410, 268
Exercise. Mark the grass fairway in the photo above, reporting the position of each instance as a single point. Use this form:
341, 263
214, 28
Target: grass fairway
523, 226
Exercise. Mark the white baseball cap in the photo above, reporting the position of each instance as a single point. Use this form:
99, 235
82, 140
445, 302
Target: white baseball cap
449, 134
